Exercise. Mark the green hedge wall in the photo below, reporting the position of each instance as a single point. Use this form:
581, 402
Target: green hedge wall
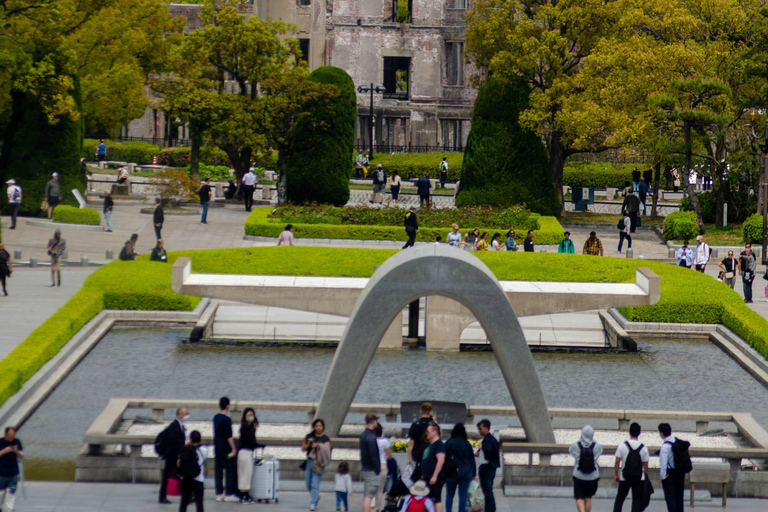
411, 166
598, 174
752, 229
318, 166
680, 226
143, 153
549, 230
73, 215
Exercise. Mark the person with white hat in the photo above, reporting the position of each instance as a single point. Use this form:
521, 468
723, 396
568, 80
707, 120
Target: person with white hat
14, 200
419, 492
53, 193
702, 255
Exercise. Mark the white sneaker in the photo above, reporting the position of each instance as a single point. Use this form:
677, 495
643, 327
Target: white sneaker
219, 497
232, 499
312, 508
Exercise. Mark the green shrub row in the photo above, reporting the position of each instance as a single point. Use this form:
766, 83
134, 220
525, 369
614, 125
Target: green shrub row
549, 231
412, 166
752, 229
680, 226
142, 285
73, 215
597, 174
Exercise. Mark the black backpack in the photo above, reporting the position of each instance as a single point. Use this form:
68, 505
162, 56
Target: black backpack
587, 459
161, 442
633, 465
681, 456
188, 466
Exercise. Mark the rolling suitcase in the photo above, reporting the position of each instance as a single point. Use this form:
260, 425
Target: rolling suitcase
265, 482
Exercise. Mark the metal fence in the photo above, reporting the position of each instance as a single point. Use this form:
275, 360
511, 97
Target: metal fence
393, 148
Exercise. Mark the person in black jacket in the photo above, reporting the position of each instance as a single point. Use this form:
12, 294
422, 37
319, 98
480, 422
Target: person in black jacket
460, 467
248, 445
630, 207
158, 218
175, 437
411, 227
108, 205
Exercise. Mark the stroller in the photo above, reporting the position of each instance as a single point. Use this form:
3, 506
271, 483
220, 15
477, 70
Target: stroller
395, 489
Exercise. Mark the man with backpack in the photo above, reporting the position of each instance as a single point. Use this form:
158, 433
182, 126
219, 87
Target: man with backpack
191, 467
586, 474
674, 463
417, 441
168, 444
632, 459
379, 184
443, 172
14, 200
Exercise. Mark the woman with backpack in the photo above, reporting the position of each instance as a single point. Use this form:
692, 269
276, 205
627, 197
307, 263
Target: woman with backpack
460, 467
585, 453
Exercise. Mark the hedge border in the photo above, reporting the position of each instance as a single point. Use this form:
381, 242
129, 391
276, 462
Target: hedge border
75, 215
550, 231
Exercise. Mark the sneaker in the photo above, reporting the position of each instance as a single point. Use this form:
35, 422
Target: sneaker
219, 497
246, 500
311, 508
232, 499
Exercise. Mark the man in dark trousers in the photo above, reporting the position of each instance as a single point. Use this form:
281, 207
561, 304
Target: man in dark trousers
672, 481
370, 461
175, 437
528, 242
11, 452
226, 454
630, 207
411, 227
648, 177
487, 472
158, 218
205, 194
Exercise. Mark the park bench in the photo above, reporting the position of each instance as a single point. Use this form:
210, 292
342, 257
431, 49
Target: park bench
710, 474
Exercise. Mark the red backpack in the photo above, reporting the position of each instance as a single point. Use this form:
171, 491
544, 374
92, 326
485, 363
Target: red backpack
417, 504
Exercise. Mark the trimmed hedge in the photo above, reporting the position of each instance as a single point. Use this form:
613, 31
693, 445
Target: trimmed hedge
752, 229
598, 174
130, 285
143, 153
549, 230
73, 215
680, 226
411, 166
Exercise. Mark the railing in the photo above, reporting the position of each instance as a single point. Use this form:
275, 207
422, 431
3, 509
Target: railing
396, 148
157, 141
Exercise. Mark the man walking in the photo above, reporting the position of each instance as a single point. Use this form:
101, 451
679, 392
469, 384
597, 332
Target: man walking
747, 267
630, 469
702, 254
379, 184
56, 248
14, 200
635, 180
205, 194
487, 472
629, 208
10, 454
528, 242
684, 255
370, 463
672, 479
593, 246
411, 227
226, 453
193, 486
249, 185
443, 172
158, 218
108, 205
174, 437
53, 193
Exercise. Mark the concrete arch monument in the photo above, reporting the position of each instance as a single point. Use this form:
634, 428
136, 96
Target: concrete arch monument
455, 274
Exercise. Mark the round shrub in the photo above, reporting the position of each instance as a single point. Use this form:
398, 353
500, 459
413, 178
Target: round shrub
504, 163
73, 215
680, 226
319, 164
752, 229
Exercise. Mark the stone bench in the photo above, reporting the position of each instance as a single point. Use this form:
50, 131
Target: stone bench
710, 474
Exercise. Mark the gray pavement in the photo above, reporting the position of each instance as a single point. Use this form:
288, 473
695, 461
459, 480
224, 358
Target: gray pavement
94, 497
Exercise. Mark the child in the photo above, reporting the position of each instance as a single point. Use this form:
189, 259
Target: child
438, 240
343, 486
419, 493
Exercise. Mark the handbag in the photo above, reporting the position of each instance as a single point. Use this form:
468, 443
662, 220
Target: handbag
303, 465
174, 487
729, 275
44, 205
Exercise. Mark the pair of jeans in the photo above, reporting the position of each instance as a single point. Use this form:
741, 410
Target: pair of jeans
312, 480
14, 214
622, 236
189, 488
642, 201
158, 230
462, 481
486, 473
108, 218
222, 464
635, 186
341, 497
674, 487
205, 212
8, 491
637, 490
747, 290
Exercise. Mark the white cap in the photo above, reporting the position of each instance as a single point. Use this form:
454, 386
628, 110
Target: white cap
11, 181
55, 175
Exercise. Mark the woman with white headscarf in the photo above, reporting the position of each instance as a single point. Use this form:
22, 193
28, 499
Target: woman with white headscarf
585, 453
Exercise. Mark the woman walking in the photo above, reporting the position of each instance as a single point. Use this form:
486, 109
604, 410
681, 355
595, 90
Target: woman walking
248, 444
626, 226
460, 467
314, 442
482, 245
394, 186
6, 267
730, 266
495, 244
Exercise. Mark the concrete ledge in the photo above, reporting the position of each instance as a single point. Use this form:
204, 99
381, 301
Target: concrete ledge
512, 491
617, 337
63, 225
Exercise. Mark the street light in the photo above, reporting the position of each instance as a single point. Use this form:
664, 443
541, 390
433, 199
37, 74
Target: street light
362, 89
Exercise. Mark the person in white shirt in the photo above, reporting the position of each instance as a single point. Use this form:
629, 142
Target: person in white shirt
385, 453
630, 469
673, 482
685, 256
624, 232
249, 184
195, 486
14, 200
343, 486
702, 254
286, 237
454, 237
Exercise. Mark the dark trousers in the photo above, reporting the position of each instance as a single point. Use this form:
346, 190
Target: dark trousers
622, 236
248, 197
14, 214
637, 490
190, 488
486, 474
633, 219
411, 238
158, 229
169, 470
443, 179
424, 199
2, 280
228, 464
673, 486
747, 290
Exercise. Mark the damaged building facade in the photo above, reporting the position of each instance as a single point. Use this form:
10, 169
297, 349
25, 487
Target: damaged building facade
413, 48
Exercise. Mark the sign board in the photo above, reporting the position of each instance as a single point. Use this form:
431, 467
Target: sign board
79, 197
447, 414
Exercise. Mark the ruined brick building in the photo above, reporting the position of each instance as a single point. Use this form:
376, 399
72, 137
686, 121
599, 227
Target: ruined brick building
414, 48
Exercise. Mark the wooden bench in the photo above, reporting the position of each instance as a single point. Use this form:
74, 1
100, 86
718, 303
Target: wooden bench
710, 474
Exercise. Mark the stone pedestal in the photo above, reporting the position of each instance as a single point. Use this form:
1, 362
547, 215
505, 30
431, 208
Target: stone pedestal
393, 338
446, 319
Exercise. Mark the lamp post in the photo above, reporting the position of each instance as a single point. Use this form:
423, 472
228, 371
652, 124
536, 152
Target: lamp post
362, 89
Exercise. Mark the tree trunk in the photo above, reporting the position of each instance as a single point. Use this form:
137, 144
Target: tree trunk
194, 158
241, 162
556, 164
718, 189
282, 186
656, 181
686, 175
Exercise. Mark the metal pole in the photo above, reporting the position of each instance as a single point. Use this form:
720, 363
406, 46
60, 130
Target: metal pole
370, 153
765, 218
